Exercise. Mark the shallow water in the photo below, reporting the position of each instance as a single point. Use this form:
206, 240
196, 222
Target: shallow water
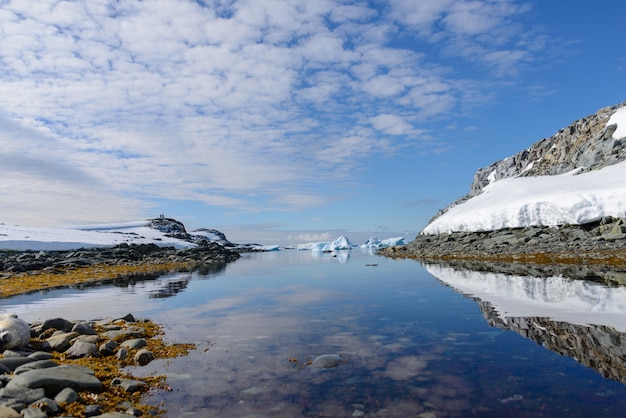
410, 344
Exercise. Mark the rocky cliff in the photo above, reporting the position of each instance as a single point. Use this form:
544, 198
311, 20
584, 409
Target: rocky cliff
585, 145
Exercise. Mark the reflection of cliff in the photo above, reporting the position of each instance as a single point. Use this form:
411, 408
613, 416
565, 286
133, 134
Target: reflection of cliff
595, 346
170, 287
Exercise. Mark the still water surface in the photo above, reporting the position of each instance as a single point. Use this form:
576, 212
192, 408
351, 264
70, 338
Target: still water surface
410, 344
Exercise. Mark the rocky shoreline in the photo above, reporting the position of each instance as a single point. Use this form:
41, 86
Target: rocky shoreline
596, 250
123, 254
74, 368
27, 271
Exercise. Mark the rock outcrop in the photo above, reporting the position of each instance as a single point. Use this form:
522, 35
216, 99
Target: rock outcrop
585, 145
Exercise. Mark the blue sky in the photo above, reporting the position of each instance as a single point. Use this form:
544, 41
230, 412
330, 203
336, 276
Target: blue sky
285, 121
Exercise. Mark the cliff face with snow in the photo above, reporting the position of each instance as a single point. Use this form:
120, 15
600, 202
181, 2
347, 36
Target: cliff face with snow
588, 144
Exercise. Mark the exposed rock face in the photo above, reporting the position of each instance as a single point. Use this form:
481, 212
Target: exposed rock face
585, 145
167, 225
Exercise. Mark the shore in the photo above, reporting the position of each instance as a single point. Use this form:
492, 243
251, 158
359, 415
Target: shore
99, 352
595, 251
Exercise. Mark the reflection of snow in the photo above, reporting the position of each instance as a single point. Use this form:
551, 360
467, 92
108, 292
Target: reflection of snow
562, 299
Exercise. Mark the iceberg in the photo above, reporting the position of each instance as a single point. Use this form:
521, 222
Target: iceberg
341, 243
374, 242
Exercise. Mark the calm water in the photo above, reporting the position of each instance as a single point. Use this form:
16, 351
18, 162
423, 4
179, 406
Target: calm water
411, 345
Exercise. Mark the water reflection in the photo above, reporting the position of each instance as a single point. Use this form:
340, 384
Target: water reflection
409, 346
580, 319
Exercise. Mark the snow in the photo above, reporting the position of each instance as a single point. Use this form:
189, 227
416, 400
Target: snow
560, 299
84, 236
619, 118
374, 242
341, 243
543, 200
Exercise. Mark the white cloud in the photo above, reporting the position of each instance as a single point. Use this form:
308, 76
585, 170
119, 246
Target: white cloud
236, 103
391, 124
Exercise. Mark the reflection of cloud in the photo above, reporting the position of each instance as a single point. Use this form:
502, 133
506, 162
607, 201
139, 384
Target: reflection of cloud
406, 367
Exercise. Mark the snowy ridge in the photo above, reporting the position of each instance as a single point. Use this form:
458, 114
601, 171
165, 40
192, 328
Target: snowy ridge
561, 299
545, 201
554, 200
84, 236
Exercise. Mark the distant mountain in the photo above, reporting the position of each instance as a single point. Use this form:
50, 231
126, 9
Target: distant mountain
162, 231
560, 187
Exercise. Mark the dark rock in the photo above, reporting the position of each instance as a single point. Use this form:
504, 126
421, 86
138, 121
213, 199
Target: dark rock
67, 395
59, 342
143, 356
108, 348
21, 394
39, 364
81, 349
12, 363
129, 385
55, 379
57, 323
84, 329
92, 410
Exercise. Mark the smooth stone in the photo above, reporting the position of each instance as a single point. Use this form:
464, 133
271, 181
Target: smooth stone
122, 353
131, 332
67, 395
143, 356
327, 361
134, 343
93, 339
21, 394
81, 349
15, 353
84, 329
108, 348
57, 323
38, 364
111, 415
55, 379
93, 410
4, 369
40, 355
12, 363
7, 412
59, 342
129, 385
127, 318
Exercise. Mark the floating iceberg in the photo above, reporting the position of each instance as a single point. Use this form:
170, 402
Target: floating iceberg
341, 243
374, 242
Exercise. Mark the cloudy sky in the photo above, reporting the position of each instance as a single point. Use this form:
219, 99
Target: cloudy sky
284, 121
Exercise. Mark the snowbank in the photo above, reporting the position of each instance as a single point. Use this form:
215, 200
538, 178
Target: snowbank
545, 200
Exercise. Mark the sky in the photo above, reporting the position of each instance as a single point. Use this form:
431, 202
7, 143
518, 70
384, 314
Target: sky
285, 121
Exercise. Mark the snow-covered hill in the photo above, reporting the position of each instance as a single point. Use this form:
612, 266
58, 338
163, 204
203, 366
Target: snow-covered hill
547, 200
87, 236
